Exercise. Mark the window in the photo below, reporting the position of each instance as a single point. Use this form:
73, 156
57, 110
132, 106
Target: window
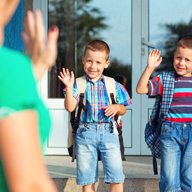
169, 21
80, 21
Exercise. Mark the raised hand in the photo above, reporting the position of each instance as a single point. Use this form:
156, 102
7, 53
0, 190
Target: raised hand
41, 48
66, 77
154, 58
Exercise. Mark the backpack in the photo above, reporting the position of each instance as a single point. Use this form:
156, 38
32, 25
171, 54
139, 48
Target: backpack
74, 117
158, 114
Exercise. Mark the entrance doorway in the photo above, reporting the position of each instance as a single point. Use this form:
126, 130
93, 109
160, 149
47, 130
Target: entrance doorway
131, 29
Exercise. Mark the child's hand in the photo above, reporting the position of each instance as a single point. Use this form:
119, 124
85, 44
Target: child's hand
111, 110
66, 77
154, 58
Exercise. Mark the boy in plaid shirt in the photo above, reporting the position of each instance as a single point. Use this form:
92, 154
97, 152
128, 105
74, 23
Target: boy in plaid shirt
176, 131
95, 132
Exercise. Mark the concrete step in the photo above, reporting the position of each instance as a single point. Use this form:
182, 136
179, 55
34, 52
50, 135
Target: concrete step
130, 185
137, 169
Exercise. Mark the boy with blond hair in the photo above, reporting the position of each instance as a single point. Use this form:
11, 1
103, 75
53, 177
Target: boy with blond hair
176, 130
95, 133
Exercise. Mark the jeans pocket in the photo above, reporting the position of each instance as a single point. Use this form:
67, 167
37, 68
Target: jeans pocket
81, 129
165, 129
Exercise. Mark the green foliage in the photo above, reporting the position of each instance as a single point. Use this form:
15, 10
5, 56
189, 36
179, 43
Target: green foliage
78, 22
175, 32
117, 68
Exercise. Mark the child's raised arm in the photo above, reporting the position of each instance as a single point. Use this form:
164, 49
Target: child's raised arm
67, 78
154, 60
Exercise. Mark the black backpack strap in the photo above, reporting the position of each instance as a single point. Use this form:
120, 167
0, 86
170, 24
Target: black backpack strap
116, 116
119, 129
112, 98
75, 123
155, 169
80, 107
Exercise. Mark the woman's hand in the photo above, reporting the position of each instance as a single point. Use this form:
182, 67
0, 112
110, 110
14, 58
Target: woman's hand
41, 49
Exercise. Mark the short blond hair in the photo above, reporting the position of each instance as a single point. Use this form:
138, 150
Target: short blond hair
98, 45
185, 43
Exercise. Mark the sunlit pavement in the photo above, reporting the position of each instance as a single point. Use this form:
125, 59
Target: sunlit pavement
138, 173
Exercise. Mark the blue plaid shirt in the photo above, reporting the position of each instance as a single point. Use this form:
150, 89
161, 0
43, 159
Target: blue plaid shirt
97, 99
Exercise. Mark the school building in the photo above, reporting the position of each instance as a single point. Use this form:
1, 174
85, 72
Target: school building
130, 27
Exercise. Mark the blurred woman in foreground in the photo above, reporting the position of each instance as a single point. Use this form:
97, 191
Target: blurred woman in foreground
24, 120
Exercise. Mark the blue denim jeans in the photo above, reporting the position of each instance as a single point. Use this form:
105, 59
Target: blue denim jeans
92, 138
176, 157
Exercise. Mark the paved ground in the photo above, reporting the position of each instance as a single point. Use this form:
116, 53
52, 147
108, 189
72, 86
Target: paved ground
134, 167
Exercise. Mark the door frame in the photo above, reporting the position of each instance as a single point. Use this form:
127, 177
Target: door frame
139, 31
145, 105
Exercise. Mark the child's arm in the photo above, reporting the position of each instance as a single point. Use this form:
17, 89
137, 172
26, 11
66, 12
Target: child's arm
114, 109
67, 78
154, 60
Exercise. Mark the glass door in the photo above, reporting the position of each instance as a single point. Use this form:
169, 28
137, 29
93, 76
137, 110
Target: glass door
163, 23
79, 21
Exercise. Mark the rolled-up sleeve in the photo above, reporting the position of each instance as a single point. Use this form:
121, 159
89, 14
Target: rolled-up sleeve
155, 86
123, 97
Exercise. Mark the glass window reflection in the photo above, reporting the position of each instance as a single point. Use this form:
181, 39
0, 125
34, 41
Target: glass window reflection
168, 23
80, 21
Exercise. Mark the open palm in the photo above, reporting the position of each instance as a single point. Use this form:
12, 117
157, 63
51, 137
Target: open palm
66, 77
154, 58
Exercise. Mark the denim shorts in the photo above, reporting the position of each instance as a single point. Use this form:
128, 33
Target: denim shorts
91, 139
176, 157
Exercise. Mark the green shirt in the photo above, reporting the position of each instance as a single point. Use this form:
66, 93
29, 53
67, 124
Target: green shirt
19, 92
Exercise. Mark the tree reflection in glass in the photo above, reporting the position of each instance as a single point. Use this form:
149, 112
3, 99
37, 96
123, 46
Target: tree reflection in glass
80, 21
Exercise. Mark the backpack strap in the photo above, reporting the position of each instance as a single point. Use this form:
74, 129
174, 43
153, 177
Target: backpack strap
168, 89
76, 122
163, 103
81, 84
74, 117
110, 85
156, 107
168, 79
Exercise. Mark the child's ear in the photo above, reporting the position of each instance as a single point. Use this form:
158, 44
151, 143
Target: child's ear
107, 63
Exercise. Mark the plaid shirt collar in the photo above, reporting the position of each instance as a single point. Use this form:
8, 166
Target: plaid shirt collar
89, 80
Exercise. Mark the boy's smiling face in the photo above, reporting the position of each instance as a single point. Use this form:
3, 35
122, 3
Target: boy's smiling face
94, 63
183, 61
